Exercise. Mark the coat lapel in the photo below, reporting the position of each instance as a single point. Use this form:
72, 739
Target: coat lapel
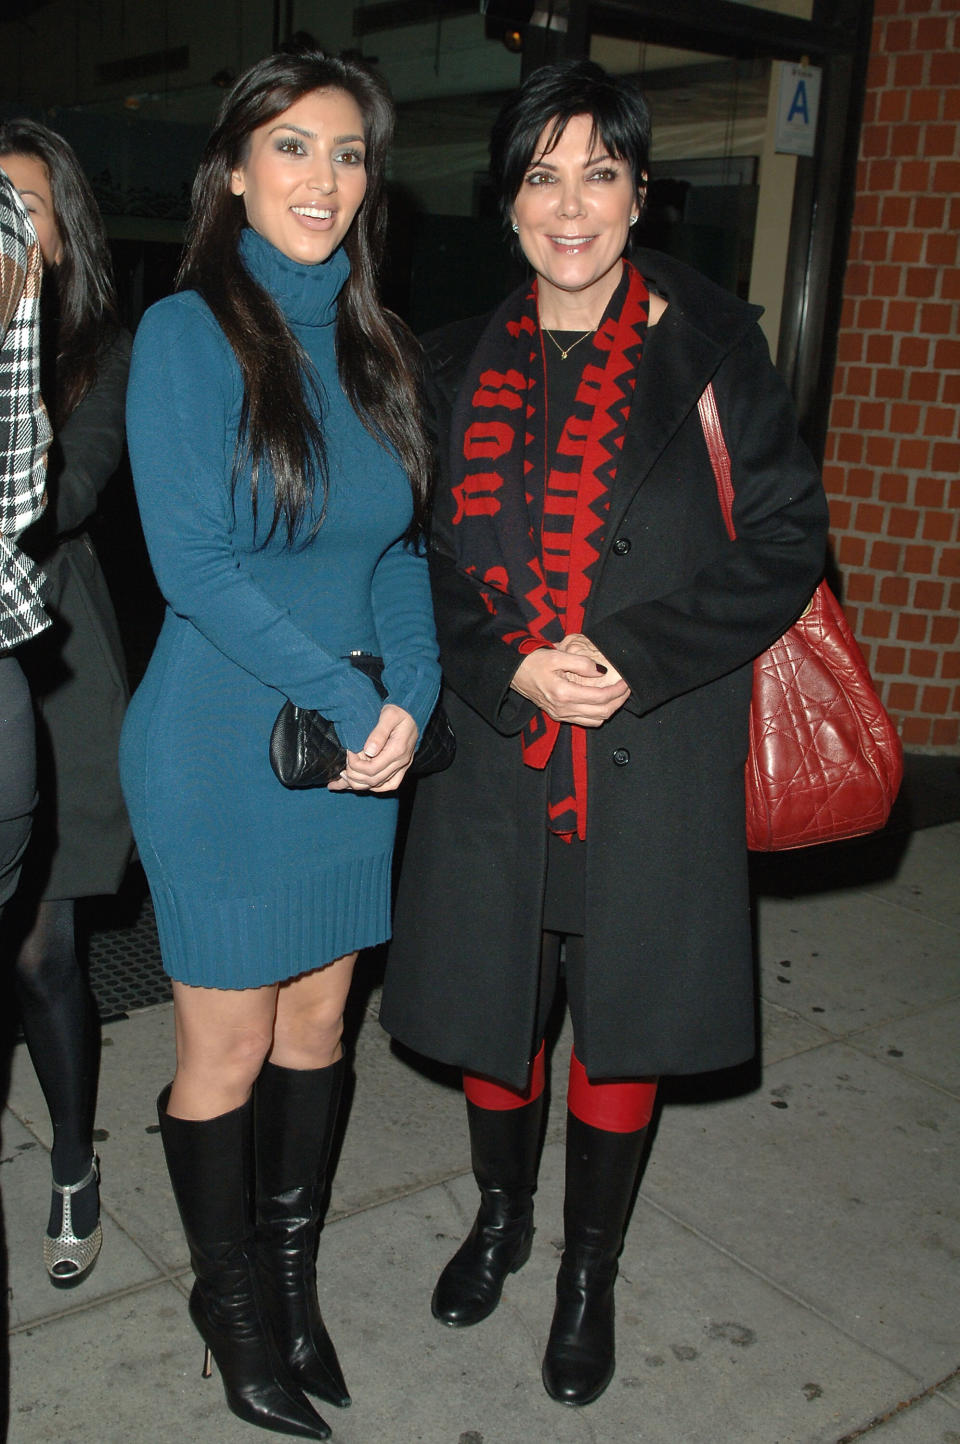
680, 357
678, 363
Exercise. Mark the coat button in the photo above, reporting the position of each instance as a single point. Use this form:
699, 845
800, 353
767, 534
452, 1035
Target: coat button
621, 756
621, 546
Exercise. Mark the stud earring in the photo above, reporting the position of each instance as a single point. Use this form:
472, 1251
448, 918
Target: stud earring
516, 229
634, 219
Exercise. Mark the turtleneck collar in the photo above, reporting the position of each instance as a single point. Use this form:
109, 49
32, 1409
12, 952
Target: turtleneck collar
307, 295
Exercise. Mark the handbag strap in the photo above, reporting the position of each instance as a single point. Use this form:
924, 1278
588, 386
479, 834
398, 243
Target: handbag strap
719, 455
720, 461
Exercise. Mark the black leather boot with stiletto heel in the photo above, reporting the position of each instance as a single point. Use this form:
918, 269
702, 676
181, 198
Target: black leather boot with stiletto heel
211, 1169
504, 1147
295, 1113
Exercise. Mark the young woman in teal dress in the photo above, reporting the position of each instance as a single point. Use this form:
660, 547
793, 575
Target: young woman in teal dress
279, 464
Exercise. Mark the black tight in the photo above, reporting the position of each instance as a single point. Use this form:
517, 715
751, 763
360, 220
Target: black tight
62, 1033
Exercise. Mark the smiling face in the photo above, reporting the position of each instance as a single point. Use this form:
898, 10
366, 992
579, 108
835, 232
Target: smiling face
303, 178
572, 213
29, 175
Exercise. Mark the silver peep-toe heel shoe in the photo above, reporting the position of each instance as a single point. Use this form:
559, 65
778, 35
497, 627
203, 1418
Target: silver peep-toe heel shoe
68, 1259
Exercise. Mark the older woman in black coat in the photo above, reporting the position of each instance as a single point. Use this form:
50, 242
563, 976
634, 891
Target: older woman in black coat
597, 628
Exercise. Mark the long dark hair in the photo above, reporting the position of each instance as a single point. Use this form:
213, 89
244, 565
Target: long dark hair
375, 350
79, 301
547, 100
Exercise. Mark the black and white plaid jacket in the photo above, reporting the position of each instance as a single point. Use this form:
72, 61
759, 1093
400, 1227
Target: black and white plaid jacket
24, 426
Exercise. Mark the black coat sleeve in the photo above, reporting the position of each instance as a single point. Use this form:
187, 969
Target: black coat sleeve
89, 445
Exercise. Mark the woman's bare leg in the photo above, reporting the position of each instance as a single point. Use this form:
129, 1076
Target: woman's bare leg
309, 1016
223, 1036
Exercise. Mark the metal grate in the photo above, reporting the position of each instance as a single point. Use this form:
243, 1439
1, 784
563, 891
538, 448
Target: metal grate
126, 972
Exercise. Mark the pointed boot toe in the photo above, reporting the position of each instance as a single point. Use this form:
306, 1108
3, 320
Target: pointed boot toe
279, 1407
256, 1386
316, 1368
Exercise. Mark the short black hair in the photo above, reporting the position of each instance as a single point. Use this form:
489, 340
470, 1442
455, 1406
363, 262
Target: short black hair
547, 100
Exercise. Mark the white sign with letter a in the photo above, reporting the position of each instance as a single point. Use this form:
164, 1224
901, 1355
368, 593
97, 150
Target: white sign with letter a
797, 108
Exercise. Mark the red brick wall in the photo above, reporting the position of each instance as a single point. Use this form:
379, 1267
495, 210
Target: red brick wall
892, 468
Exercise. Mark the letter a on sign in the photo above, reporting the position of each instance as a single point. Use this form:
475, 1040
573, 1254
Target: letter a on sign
797, 109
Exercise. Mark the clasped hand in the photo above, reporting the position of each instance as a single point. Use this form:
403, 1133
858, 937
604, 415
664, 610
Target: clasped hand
572, 682
387, 753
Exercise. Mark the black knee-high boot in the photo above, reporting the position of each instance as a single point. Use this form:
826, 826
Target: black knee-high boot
295, 1115
505, 1148
601, 1174
211, 1167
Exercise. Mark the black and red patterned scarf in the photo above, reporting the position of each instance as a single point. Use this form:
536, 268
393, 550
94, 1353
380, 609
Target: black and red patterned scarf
529, 526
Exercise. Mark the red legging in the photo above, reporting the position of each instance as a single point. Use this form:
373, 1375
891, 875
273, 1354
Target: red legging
485, 1093
611, 1107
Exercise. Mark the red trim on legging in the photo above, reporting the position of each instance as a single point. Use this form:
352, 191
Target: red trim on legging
485, 1093
611, 1107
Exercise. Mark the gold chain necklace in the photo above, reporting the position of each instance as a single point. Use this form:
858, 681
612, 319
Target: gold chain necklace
565, 353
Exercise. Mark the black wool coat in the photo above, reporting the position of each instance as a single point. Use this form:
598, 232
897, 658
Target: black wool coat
681, 611
81, 838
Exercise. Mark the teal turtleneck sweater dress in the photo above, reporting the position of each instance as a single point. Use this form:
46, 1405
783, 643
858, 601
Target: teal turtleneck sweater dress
253, 883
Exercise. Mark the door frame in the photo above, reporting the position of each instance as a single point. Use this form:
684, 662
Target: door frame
836, 38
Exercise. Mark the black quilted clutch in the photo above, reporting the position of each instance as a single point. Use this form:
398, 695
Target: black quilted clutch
305, 750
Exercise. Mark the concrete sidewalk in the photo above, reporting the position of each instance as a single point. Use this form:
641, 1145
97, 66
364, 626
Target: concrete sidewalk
790, 1274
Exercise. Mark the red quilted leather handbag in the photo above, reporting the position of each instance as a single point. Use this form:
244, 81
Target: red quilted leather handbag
825, 760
